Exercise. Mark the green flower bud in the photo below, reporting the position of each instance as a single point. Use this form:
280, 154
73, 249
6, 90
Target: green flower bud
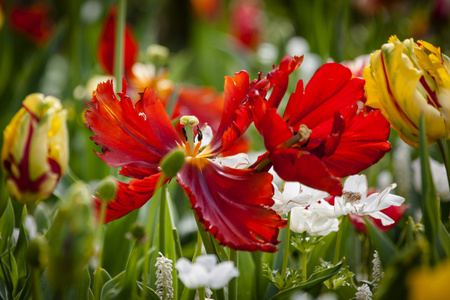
37, 253
173, 162
158, 54
137, 232
71, 237
107, 189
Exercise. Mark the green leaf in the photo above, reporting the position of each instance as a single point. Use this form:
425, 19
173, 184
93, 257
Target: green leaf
101, 276
7, 226
429, 199
313, 281
382, 243
116, 247
20, 250
9, 272
246, 278
78, 290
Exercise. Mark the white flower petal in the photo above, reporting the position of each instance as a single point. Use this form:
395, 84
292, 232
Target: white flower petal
208, 261
238, 161
222, 274
385, 220
356, 184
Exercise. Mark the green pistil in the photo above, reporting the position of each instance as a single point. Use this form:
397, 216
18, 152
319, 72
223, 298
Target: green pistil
189, 122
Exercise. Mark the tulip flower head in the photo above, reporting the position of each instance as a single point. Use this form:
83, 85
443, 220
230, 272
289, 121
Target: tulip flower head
35, 148
405, 80
232, 204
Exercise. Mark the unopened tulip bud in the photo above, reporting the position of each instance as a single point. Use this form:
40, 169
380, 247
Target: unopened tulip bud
107, 189
173, 162
71, 237
35, 148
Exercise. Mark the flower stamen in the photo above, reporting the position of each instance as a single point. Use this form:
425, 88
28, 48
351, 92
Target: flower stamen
351, 197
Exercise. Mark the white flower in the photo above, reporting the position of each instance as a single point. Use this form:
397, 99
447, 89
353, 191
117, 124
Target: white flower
312, 222
363, 293
205, 272
164, 287
294, 194
355, 200
439, 178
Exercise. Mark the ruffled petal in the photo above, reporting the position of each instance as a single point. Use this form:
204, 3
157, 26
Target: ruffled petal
131, 136
235, 117
363, 143
295, 165
279, 78
232, 204
330, 89
130, 196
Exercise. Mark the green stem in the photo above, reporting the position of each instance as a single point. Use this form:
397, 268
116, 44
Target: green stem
198, 249
232, 286
100, 231
37, 294
286, 247
304, 265
119, 44
201, 293
148, 228
176, 237
338, 244
446, 156
162, 220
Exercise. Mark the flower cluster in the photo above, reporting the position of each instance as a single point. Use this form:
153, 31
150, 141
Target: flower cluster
164, 287
322, 136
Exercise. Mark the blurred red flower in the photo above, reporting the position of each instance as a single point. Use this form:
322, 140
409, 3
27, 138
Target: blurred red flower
247, 22
105, 51
33, 21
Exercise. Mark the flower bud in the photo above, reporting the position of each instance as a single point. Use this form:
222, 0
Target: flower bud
405, 80
158, 54
107, 189
71, 237
173, 162
35, 148
37, 253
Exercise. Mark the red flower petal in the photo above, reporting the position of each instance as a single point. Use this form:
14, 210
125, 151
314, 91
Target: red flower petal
131, 136
270, 125
105, 52
295, 165
330, 89
232, 204
32, 20
130, 196
204, 103
363, 143
279, 78
235, 117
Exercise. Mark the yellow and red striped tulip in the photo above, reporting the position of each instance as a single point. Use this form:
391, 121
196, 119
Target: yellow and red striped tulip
405, 80
35, 148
